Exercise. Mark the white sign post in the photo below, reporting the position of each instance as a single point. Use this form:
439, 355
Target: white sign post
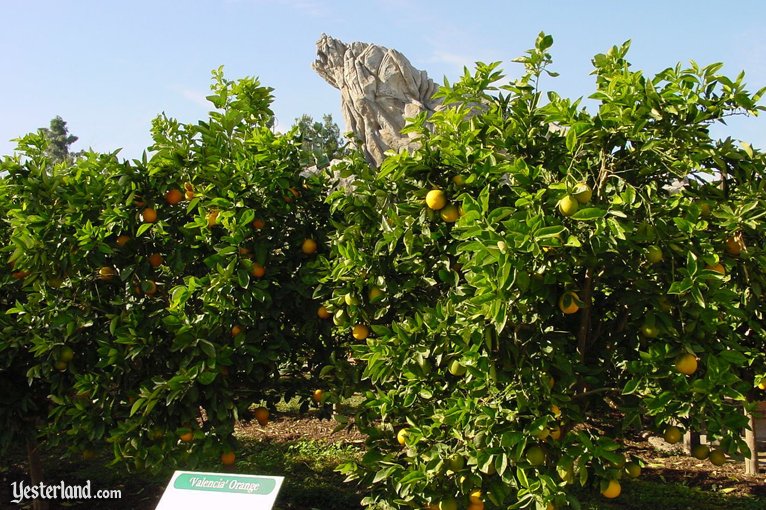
189, 490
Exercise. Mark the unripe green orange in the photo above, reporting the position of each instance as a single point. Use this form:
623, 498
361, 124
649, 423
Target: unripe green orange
568, 205
582, 193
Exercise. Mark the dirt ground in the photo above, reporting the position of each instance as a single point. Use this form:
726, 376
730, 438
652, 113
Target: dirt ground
661, 464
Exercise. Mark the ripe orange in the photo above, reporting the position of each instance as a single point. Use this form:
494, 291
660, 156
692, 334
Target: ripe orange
122, 240
556, 433
228, 458
262, 416
258, 270
375, 295
258, 223
762, 385
323, 313
173, 196
149, 215
475, 496
360, 332
236, 330
106, 273
436, 199
294, 193
479, 505
612, 490
20, 275
152, 290
686, 363
317, 396
401, 437
155, 260
735, 245
309, 246
556, 410
187, 437
212, 218
568, 302
718, 268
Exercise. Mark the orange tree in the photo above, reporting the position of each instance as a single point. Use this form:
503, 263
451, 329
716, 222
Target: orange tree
161, 297
537, 280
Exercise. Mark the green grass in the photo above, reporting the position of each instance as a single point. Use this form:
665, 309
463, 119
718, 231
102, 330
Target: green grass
308, 467
655, 495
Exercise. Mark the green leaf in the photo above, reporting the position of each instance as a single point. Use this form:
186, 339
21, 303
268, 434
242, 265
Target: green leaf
247, 216
547, 232
143, 228
571, 140
207, 348
630, 387
588, 214
207, 377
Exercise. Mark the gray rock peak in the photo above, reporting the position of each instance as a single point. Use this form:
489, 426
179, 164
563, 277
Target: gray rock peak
379, 88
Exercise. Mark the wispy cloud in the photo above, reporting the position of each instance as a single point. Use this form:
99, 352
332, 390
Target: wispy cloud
454, 59
195, 96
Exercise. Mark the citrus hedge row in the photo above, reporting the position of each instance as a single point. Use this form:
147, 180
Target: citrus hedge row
512, 298
549, 279
157, 299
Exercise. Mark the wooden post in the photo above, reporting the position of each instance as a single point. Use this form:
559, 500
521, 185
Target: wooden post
691, 439
751, 464
35, 469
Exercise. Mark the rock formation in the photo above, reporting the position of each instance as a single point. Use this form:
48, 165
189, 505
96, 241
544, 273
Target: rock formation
379, 89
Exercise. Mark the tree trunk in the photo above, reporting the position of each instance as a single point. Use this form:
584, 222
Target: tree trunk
35, 470
751, 464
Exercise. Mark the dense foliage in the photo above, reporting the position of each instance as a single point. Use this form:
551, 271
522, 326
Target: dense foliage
533, 282
538, 279
158, 299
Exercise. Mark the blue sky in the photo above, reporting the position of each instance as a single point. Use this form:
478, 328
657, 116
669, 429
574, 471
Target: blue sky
109, 67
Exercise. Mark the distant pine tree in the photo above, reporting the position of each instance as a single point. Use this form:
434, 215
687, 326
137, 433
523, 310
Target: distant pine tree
321, 141
59, 140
